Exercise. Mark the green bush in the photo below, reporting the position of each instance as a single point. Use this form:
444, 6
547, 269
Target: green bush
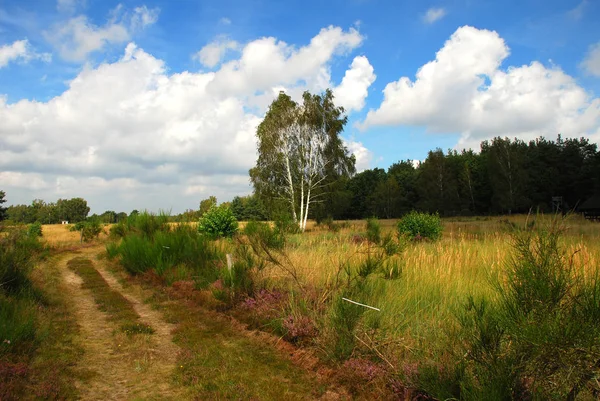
261, 232
35, 229
119, 230
540, 339
417, 225
17, 250
218, 222
285, 224
90, 230
149, 223
167, 250
373, 231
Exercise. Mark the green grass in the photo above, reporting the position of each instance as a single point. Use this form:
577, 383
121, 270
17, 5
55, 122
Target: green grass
220, 361
40, 362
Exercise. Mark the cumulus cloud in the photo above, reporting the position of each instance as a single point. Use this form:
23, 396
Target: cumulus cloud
591, 63
434, 14
129, 134
212, 54
363, 155
353, 90
225, 21
465, 91
20, 51
76, 38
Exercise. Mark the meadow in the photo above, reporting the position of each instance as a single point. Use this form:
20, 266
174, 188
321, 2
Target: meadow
503, 307
431, 305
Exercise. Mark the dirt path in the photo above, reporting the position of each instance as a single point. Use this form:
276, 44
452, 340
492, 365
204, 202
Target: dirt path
201, 355
122, 367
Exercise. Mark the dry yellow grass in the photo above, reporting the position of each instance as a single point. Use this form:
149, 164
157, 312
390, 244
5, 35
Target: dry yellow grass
436, 277
59, 236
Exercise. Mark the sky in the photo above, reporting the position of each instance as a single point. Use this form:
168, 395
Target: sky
144, 104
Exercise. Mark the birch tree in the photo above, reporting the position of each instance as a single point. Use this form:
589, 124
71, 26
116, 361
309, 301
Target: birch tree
300, 152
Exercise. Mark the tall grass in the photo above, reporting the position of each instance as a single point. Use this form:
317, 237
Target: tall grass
19, 303
150, 243
420, 327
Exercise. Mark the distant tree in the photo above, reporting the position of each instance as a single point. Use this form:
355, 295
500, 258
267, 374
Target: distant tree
207, 203
3, 210
300, 151
507, 173
18, 213
134, 212
362, 186
122, 216
405, 173
109, 217
385, 201
246, 208
74, 210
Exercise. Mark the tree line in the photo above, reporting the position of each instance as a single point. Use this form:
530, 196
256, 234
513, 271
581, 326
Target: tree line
506, 176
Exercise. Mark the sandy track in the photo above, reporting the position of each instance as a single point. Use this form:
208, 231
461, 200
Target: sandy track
118, 367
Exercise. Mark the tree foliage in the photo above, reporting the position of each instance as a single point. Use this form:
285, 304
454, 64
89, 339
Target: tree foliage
73, 210
3, 212
218, 222
300, 153
506, 176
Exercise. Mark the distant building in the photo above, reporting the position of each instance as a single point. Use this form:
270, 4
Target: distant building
64, 222
591, 208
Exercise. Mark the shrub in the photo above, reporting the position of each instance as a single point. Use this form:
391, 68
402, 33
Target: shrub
373, 231
285, 224
90, 230
34, 229
149, 223
119, 230
16, 252
540, 340
168, 249
272, 238
417, 225
218, 222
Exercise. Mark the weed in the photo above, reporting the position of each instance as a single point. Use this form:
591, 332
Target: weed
131, 329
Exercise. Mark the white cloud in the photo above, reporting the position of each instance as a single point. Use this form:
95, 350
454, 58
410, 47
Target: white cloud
22, 51
128, 134
577, 12
225, 21
267, 60
353, 90
363, 155
465, 91
212, 54
142, 17
434, 14
76, 38
591, 62
67, 6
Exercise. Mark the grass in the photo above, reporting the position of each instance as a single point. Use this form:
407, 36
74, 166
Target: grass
37, 327
219, 360
59, 236
416, 338
118, 308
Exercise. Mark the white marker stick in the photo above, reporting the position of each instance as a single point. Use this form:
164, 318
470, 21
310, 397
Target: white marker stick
366, 306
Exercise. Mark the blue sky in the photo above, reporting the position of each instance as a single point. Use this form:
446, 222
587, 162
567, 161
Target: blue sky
99, 95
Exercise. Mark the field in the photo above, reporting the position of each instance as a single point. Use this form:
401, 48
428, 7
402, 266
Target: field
427, 337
